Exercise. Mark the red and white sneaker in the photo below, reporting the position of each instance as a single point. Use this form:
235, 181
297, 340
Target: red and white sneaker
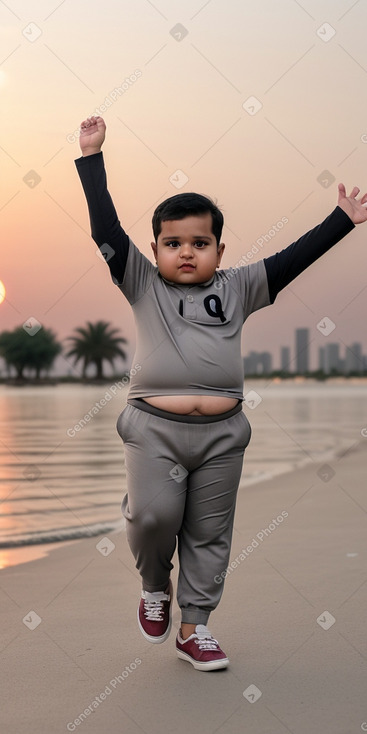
155, 614
201, 650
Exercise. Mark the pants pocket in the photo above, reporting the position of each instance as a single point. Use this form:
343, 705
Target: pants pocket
125, 507
121, 423
247, 430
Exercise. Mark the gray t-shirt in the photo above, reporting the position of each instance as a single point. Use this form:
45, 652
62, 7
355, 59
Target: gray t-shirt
189, 337
198, 352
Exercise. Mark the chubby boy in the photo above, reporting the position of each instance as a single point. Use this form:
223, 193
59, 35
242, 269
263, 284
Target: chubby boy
183, 428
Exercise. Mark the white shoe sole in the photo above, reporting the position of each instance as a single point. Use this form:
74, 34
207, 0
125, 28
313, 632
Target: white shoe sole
213, 665
156, 640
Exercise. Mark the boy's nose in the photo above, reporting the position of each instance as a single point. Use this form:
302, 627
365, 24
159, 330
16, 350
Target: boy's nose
185, 250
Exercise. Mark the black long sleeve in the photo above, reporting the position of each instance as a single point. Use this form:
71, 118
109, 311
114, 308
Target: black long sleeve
284, 266
106, 229
112, 240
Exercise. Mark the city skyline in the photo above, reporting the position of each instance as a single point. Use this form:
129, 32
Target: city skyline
328, 357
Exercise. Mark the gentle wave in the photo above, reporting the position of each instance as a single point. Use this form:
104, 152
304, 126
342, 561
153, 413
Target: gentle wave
62, 534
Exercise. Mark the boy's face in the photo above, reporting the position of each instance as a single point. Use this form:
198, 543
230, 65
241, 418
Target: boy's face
186, 251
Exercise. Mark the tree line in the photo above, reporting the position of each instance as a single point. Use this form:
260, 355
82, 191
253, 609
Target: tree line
92, 344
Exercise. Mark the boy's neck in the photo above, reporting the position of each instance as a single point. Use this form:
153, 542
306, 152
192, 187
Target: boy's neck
187, 285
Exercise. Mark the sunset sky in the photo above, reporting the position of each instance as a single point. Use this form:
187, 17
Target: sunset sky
191, 109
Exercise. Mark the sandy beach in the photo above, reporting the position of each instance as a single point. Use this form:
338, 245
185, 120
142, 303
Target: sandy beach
291, 620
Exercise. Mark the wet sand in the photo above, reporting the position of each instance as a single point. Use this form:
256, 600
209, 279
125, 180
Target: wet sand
73, 659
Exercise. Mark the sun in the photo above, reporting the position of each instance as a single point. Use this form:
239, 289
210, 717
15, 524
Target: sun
2, 291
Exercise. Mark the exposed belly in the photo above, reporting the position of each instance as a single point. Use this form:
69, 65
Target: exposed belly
192, 404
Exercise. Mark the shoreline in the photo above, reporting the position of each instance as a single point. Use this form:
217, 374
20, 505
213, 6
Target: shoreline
301, 379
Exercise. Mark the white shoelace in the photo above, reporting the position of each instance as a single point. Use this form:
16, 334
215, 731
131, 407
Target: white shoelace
205, 639
153, 608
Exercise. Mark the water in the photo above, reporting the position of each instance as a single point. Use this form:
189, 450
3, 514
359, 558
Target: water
58, 483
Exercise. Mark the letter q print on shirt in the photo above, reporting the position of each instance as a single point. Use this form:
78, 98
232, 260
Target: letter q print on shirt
213, 306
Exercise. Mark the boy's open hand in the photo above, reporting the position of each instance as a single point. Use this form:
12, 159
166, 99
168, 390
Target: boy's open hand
92, 134
352, 206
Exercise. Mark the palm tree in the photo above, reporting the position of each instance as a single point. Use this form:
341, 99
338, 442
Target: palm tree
94, 344
21, 350
45, 348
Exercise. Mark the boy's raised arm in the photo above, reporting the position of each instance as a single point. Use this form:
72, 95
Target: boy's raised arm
285, 265
106, 229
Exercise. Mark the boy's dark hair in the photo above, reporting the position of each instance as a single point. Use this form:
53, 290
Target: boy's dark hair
186, 205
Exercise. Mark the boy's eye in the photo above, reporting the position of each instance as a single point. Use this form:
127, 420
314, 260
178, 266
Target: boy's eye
198, 243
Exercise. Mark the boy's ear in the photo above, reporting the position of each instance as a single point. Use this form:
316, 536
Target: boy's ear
154, 248
220, 251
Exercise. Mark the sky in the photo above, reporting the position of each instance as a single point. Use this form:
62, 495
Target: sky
260, 106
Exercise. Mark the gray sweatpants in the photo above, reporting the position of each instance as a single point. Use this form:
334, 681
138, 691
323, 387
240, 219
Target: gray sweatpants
183, 473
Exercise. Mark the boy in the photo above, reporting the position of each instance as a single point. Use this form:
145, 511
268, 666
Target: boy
183, 427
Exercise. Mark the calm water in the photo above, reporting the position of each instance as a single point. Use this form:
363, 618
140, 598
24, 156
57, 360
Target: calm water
56, 485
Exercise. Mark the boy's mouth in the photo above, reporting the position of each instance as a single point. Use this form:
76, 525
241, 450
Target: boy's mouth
187, 266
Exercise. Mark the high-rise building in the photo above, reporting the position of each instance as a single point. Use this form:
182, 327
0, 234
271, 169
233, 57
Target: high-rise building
302, 350
258, 363
285, 359
354, 358
332, 358
265, 362
322, 365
